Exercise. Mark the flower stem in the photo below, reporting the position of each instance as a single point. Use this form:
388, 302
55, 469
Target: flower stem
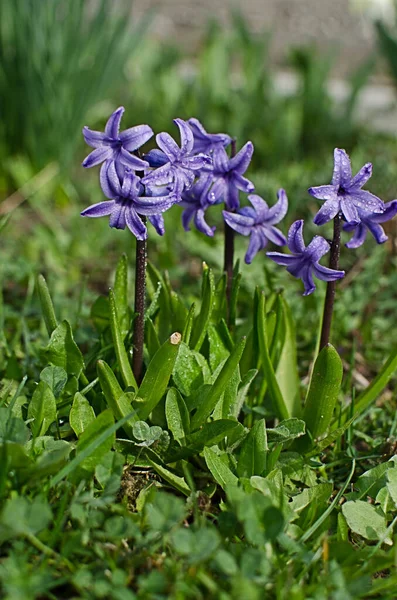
140, 295
229, 248
331, 285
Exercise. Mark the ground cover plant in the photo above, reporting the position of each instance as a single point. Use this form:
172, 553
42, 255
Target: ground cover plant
175, 451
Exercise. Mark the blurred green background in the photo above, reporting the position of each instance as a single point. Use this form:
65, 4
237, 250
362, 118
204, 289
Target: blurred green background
64, 64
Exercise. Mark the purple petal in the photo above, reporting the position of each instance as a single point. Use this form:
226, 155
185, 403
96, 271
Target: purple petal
279, 210
101, 209
200, 223
349, 211
135, 224
358, 238
199, 161
95, 139
97, 156
307, 278
342, 174
158, 223
256, 243
243, 184
260, 206
153, 206
285, 260
131, 161
231, 199
389, 213
275, 236
220, 162
241, 161
168, 145
328, 211
187, 139
238, 222
361, 178
113, 124
366, 201
203, 141
187, 216
130, 187
295, 240
218, 191
317, 248
117, 217
377, 231
109, 180
156, 158
326, 274
134, 137
324, 192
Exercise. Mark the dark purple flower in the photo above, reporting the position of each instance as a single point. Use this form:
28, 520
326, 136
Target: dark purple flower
370, 221
195, 201
127, 202
177, 165
258, 222
303, 262
113, 145
345, 193
207, 142
228, 176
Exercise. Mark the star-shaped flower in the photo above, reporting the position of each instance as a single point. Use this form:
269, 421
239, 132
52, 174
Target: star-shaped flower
258, 222
113, 145
207, 142
127, 202
345, 194
195, 201
370, 221
303, 262
175, 164
228, 176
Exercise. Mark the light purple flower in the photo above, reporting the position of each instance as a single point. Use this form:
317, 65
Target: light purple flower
344, 194
113, 145
177, 165
207, 142
195, 201
258, 222
228, 176
370, 221
126, 202
303, 262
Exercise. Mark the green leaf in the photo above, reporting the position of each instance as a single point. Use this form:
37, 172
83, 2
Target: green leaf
12, 429
392, 484
42, 408
211, 433
56, 378
286, 431
62, 350
46, 304
207, 406
157, 376
177, 414
254, 449
318, 493
118, 401
152, 341
200, 326
375, 388
370, 482
121, 353
100, 313
81, 414
174, 480
92, 433
21, 516
366, 520
287, 369
219, 470
219, 350
110, 467
187, 330
278, 402
322, 395
197, 546
243, 392
189, 370
121, 296
219, 301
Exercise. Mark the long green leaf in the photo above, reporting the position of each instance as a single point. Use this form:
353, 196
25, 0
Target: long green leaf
46, 304
254, 449
219, 470
201, 324
116, 399
121, 353
177, 415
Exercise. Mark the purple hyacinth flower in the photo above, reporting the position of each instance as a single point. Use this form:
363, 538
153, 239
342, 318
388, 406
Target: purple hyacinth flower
195, 201
303, 262
258, 222
344, 194
370, 221
126, 202
113, 145
207, 142
177, 164
228, 176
